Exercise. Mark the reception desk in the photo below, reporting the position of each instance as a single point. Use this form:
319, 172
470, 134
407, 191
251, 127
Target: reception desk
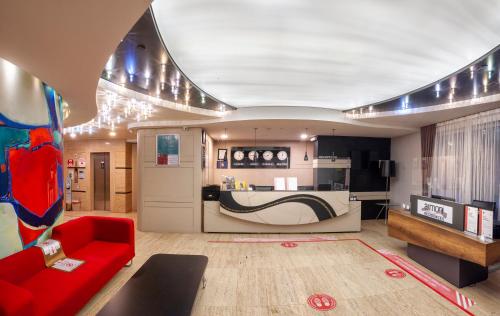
282, 212
458, 257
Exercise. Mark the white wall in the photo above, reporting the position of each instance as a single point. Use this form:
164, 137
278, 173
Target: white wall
406, 152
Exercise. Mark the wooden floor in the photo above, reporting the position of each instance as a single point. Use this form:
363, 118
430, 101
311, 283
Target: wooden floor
267, 279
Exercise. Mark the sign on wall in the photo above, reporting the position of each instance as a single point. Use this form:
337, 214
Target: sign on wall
167, 149
440, 212
260, 157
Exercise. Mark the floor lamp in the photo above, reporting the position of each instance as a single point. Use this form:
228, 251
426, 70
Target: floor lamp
387, 169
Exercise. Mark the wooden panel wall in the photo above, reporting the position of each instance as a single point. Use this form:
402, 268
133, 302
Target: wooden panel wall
120, 153
169, 197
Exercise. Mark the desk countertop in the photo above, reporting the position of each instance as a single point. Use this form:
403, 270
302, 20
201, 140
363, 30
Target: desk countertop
430, 235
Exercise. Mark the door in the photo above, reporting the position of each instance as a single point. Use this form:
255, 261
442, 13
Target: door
100, 164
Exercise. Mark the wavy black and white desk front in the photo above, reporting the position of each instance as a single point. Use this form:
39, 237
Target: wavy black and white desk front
282, 212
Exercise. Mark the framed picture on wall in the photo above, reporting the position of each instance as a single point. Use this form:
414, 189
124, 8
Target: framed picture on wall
222, 158
167, 149
222, 154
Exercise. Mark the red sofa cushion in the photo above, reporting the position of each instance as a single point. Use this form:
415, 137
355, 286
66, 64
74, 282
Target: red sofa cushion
22, 265
20, 300
74, 234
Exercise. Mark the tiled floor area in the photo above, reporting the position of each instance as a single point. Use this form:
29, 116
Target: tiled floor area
268, 279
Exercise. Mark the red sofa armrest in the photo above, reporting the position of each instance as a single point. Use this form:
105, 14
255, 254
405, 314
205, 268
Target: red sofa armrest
114, 229
15, 300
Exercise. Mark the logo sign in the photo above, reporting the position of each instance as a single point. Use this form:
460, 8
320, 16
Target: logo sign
71, 163
436, 211
321, 302
395, 273
289, 244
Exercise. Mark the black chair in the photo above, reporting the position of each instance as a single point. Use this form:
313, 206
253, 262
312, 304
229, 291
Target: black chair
324, 187
264, 188
440, 197
306, 188
484, 205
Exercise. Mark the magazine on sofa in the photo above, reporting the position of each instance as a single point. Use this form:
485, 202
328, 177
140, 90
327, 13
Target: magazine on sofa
67, 264
55, 258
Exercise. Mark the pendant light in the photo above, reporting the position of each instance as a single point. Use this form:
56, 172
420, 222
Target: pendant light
334, 158
306, 158
255, 137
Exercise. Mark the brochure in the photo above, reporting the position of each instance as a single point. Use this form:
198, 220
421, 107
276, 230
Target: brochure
67, 264
486, 223
471, 219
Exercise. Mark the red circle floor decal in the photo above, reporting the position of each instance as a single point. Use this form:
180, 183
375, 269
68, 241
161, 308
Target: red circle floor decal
395, 273
289, 244
321, 302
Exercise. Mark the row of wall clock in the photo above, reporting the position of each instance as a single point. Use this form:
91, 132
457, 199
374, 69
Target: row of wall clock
254, 155
260, 157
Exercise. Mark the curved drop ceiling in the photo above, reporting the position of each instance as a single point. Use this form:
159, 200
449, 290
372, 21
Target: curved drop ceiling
66, 44
332, 54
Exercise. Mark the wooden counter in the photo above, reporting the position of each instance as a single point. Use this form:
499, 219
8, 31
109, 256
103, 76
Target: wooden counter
417, 231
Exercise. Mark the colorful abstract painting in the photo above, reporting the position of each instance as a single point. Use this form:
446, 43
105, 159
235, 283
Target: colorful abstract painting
31, 169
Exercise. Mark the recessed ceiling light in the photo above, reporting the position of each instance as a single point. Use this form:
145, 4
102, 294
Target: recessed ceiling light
107, 143
72, 135
112, 133
303, 136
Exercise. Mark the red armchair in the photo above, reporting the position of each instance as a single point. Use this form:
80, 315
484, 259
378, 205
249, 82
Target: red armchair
27, 287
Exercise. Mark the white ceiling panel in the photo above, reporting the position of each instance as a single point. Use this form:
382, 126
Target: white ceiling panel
323, 53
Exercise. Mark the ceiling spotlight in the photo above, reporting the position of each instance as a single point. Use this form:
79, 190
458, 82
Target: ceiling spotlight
72, 135
107, 143
112, 133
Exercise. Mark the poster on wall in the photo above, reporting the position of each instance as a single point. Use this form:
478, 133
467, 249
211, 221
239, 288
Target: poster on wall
167, 149
81, 162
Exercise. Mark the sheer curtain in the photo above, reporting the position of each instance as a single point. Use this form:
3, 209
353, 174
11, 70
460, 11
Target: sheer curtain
466, 162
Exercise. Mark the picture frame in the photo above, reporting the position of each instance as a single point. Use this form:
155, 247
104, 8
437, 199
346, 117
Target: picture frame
167, 149
222, 154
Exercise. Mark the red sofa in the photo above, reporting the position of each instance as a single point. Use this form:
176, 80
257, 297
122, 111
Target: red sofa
27, 287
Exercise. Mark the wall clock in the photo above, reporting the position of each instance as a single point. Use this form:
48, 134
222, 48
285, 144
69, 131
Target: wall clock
268, 155
238, 155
